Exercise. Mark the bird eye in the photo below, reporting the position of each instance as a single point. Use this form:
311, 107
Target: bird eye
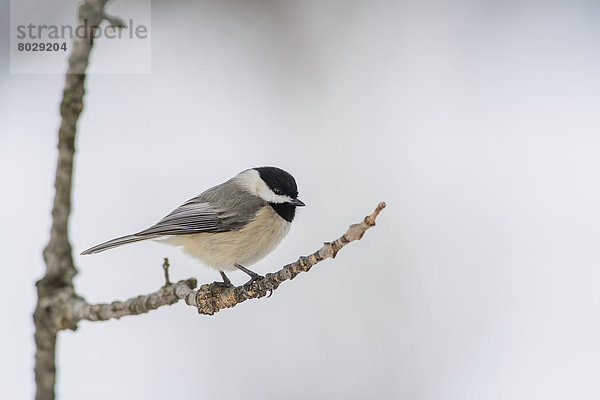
277, 191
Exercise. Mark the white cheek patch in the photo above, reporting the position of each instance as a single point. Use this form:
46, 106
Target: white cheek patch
251, 181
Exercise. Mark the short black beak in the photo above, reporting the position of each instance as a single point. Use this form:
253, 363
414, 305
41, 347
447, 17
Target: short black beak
297, 202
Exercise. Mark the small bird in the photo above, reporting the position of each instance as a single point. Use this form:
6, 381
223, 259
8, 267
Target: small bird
231, 225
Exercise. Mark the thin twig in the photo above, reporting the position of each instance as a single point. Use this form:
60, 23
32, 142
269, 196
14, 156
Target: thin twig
142, 304
166, 266
114, 21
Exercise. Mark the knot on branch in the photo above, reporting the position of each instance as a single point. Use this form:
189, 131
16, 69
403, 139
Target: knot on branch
54, 311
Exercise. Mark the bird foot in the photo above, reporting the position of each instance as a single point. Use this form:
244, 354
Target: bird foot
253, 275
254, 278
221, 285
224, 285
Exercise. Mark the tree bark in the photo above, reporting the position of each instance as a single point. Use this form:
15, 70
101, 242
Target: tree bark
56, 286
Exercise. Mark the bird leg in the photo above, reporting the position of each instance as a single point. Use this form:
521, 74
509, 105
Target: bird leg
226, 280
253, 275
225, 284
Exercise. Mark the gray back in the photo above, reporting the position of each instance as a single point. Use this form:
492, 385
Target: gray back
222, 208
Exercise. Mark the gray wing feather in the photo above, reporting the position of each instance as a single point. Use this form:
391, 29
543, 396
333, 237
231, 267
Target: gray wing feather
115, 243
219, 209
191, 217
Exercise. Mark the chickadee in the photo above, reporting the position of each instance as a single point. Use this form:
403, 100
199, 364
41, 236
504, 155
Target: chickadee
230, 225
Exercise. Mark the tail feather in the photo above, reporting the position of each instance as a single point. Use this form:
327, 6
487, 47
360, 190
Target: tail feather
120, 241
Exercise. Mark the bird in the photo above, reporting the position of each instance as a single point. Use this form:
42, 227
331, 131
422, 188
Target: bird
229, 226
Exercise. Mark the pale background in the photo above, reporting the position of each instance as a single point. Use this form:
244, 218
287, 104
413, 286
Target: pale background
477, 121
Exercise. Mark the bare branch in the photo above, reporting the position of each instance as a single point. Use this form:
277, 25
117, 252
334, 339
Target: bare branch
56, 287
209, 299
114, 21
165, 296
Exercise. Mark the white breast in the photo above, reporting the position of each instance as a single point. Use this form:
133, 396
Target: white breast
245, 246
